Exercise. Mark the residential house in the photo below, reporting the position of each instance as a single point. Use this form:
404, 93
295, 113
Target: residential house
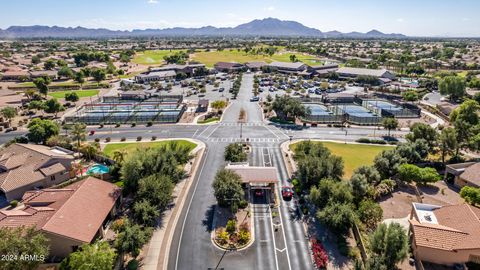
15, 75
52, 74
445, 235
69, 217
463, 174
26, 167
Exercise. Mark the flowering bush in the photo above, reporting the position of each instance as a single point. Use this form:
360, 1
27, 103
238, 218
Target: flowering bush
320, 257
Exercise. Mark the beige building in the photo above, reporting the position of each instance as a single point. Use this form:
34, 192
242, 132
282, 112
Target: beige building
69, 217
445, 235
25, 167
463, 174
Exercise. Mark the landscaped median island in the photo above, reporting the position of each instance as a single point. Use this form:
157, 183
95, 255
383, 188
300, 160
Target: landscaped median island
232, 217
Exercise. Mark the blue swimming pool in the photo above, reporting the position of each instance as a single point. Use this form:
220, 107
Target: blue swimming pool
98, 169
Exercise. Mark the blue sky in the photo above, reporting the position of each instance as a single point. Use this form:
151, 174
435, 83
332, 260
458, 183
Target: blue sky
415, 18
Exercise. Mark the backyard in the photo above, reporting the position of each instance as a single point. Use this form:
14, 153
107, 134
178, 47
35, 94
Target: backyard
110, 148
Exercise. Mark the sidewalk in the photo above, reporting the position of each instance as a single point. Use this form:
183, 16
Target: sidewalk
158, 248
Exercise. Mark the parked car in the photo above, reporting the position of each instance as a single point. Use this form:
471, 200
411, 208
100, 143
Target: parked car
92, 132
255, 98
287, 193
221, 89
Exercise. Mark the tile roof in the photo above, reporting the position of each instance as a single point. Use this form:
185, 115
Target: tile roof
458, 228
472, 174
76, 211
24, 164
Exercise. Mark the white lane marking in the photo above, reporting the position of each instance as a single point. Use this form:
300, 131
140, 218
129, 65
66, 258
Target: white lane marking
266, 126
273, 237
213, 131
188, 209
195, 132
201, 133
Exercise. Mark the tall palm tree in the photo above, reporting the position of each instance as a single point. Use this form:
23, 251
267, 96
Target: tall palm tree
78, 133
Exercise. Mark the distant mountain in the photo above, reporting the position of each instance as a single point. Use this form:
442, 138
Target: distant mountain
268, 27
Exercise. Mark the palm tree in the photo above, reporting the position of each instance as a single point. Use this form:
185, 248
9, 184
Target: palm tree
89, 150
119, 156
78, 133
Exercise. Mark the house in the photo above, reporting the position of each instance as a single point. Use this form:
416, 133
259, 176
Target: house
69, 217
155, 76
290, 68
349, 72
52, 74
228, 67
26, 167
463, 174
14, 75
255, 66
445, 235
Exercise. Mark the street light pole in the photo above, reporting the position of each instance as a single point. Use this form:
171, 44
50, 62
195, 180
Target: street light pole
346, 132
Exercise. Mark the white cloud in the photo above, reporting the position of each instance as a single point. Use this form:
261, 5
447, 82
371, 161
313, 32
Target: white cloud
152, 1
270, 8
400, 20
465, 19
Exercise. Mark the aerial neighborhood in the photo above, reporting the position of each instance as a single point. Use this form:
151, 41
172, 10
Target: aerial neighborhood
264, 144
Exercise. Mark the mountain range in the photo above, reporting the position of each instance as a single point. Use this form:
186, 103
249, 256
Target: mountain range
268, 27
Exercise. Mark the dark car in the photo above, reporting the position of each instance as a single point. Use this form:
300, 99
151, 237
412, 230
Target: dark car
287, 193
92, 132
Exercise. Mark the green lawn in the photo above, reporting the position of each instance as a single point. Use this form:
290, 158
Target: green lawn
152, 57
354, 155
130, 147
233, 55
80, 93
209, 120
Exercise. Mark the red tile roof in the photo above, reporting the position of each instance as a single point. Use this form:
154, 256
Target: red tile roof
76, 211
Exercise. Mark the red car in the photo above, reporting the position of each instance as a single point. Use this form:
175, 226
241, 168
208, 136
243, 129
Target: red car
92, 132
287, 193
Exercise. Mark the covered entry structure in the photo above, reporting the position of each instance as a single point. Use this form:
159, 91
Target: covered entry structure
256, 179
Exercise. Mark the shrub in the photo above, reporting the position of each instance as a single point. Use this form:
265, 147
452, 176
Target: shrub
101, 125
13, 203
117, 125
243, 237
123, 139
149, 123
134, 124
154, 138
231, 226
97, 139
108, 139
320, 257
243, 204
139, 138
132, 265
222, 237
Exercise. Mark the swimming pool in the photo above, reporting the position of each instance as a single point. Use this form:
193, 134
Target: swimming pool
98, 169
317, 109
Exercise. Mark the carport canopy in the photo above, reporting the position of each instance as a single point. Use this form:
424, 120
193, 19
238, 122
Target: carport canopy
255, 176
